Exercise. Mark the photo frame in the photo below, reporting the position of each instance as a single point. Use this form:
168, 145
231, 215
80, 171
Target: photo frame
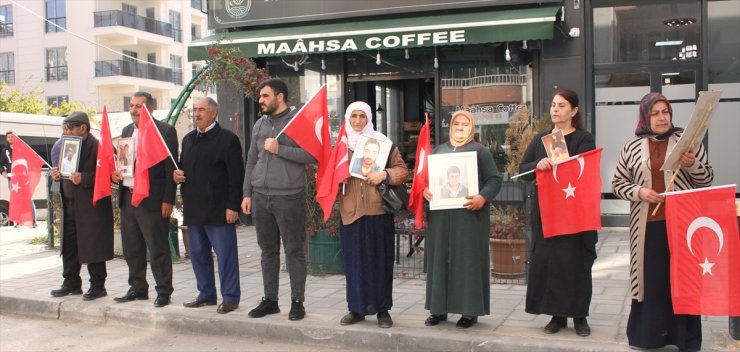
69, 155
555, 146
452, 177
377, 151
125, 157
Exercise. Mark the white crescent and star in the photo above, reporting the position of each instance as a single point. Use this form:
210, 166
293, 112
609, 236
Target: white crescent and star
317, 128
422, 159
15, 186
709, 223
570, 191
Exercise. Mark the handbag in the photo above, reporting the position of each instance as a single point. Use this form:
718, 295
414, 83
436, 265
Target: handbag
395, 199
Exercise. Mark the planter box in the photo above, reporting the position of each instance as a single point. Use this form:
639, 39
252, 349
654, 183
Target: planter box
508, 258
325, 254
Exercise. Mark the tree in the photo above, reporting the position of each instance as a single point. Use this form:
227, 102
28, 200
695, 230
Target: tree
16, 100
66, 108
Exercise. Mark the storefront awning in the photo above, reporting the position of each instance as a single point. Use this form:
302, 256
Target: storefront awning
414, 32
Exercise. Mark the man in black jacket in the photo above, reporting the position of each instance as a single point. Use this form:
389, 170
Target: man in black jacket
210, 183
146, 226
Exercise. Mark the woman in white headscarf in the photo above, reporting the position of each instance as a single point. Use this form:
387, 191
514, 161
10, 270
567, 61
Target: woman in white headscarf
366, 231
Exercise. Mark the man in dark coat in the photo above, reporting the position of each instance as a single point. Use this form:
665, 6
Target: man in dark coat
146, 226
87, 230
210, 177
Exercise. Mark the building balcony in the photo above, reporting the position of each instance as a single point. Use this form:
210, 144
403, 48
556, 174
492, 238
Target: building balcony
109, 68
118, 18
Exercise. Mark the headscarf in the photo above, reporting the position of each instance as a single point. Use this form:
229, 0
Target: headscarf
369, 130
469, 137
643, 124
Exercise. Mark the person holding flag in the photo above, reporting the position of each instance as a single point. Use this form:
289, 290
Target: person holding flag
275, 195
638, 179
366, 230
458, 259
559, 282
87, 229
145, 226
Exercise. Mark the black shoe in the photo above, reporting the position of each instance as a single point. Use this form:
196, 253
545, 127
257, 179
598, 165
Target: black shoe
433, 319
265, 307
132, 295
226, 307
582, 328
466, 322
94, 293
198, 302
63, 291
555, 324
384, 320
297, 312
161, 301
351, 318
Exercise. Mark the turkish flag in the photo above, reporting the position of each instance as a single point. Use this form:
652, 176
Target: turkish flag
705, 251
105, 163
310, 129
150, 150
25, 175
569, 195
421, 175
326, 192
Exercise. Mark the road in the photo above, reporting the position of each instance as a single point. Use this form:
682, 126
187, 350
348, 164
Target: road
30, 334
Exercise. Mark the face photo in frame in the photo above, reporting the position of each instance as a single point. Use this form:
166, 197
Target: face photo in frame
371, 155
555, 146
452, 177
69, 158
125, 157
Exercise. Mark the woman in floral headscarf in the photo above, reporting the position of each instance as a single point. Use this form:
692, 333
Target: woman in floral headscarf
366, 231
458, 262
638, 178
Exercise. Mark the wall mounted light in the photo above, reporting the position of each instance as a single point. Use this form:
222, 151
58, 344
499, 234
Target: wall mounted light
507, 54
379, 109
323, 63
406, 54
377, 58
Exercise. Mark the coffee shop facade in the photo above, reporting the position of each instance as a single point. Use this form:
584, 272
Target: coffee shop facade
409, 58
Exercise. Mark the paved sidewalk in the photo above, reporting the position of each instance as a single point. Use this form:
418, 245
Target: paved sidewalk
29, 272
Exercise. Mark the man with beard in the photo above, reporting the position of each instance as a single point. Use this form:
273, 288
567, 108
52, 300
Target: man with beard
87, 229
274, 193
210, 178
146, 227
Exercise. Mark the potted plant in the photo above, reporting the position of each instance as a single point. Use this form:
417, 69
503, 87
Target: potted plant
227, 63
324, 248
508, 222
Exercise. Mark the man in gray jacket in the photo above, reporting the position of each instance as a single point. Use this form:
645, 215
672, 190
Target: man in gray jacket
274, 193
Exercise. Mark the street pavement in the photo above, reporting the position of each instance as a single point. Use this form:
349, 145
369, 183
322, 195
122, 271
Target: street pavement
28, 272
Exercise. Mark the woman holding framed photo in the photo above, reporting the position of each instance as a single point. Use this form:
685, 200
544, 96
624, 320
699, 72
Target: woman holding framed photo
559, 282
458, 262
366, 231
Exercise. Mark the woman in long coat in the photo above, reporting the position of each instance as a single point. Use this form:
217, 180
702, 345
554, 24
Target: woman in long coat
366, 230
457, 252
559, 282
638, 178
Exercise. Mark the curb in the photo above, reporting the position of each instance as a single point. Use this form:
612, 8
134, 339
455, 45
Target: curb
194, 321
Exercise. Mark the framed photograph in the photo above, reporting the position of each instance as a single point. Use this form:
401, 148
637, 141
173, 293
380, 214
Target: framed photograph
452, 177
69, 156
125, 158
370, 155
555, 146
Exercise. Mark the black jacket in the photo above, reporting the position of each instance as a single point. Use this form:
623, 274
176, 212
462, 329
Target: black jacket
214, 170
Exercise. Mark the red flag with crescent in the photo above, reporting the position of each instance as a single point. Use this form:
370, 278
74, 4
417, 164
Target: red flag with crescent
421, 175
569, 195
705, 251
150, 150
25, 173
338, 171
310, 130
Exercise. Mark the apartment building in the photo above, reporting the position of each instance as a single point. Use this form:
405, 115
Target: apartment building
98, 52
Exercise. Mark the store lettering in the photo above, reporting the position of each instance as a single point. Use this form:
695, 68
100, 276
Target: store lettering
387, 42
490, 108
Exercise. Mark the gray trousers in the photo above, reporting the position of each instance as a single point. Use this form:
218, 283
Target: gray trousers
276, 218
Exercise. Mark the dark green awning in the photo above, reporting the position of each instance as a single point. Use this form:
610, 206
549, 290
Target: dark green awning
413, 32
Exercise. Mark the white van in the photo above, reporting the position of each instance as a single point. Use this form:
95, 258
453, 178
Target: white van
39, 132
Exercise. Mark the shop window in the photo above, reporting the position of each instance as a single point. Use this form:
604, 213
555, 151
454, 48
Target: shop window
723, 46
647, 32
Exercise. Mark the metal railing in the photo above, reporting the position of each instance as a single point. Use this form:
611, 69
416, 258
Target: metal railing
107, 68
130, 20
485, 81
7, 76
56, 73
